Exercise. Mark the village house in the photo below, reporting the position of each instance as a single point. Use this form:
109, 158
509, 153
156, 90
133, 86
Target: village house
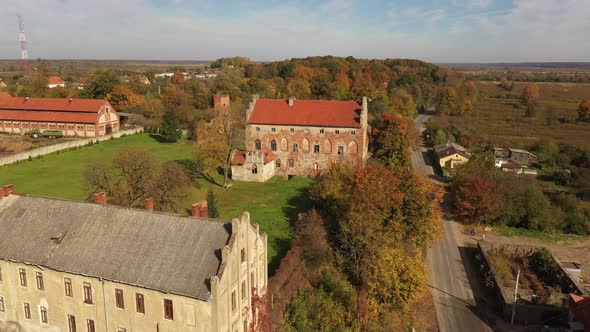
71, 116
79, 266
55, 81
520, 156
304, 136
450, 155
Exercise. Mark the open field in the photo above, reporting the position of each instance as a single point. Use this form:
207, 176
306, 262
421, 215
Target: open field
498, 117
16, 143
274, 204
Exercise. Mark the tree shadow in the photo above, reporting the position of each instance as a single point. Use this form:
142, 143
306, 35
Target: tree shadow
160, 139
194, 173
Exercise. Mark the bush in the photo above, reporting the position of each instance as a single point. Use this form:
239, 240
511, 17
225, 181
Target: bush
545, 267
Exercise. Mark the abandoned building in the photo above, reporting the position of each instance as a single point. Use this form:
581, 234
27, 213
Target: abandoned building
304, 136
80, 266
520, 156
71, 116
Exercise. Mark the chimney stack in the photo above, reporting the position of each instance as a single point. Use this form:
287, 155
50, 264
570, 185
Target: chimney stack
8, 189
364, 112
149, 204
291, 101
100, 198
200, 209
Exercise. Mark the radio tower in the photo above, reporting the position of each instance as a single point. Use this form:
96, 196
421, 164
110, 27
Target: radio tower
24, 53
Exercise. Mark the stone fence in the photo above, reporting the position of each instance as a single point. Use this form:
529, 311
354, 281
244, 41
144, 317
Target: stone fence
9, 159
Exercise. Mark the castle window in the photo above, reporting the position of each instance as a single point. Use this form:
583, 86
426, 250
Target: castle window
273, 129
292, 130
322, 131
43, 314
291, 163
243, 255
295, 147
257, 128
233, 300
27, 311
316, 166
40, 285
278, 163
90, 325
119, 300
2, 308
68, 286
254, 169
337, 132
139, 305
353, 132
273, 145
340, 150
243, 290
72, 323
258, 144
168, 309
23, 277
87, 293
316, 148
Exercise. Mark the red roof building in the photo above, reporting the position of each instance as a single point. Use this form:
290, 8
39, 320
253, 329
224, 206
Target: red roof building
72, 116
579, 310
55, 81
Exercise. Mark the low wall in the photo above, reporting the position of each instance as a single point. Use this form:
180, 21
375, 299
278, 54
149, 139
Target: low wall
13, 158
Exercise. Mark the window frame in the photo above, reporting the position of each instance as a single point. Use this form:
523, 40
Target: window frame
340, 150
43, 315
274, 130
168, 309
88, 298
257, 128
316, 148
353, 132
295, 147
337, 132
258, 144
0, 273
139, 303
273, 145
39, 279
23, 277
68, 287
243, 255
90, 327
27, 310
119, 299
234, 302
2, 305
71, 323
254, 169
292, 130
278, 163
243, 289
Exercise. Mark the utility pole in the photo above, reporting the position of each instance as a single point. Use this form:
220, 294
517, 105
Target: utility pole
515, 294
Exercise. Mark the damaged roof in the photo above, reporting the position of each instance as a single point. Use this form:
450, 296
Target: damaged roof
159, 251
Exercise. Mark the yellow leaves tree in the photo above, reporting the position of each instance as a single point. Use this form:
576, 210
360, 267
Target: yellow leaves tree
123, 99
529, 97
299, 87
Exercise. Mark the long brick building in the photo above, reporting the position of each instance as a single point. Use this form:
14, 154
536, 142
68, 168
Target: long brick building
77, 266
304, 136
71, 116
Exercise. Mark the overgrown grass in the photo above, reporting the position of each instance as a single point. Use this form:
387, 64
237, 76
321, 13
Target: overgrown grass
274, 204
512, 231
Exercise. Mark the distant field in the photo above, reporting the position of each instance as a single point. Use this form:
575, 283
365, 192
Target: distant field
499, 119
274, 204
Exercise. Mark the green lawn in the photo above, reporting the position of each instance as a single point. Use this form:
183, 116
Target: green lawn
274, 204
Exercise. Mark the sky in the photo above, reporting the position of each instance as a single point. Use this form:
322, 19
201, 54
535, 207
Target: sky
440, 31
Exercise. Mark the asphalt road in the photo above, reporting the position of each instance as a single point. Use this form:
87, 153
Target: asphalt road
456, 309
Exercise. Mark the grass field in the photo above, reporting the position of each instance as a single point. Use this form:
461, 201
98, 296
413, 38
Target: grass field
274, 204
499, 119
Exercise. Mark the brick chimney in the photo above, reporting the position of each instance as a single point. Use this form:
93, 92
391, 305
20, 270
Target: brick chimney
8, 189
364, 112
291, 101
149, 204
200, 209
100, 198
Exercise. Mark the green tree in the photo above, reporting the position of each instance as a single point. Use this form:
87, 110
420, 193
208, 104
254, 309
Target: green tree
391, 142
446, 101
101, 85
212, 204
170, 127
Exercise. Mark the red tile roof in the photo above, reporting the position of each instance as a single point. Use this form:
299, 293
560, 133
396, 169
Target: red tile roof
55, 80
240, 157
50, 109
325, 113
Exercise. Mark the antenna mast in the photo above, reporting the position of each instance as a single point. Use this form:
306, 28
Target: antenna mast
24, 53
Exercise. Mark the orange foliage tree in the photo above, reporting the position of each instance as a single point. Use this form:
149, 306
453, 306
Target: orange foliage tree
584, 110
478, 199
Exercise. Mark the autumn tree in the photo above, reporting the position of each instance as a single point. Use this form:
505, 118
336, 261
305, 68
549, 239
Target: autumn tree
390, 141
446, 101
101, 85
177, 77
403, 103
478, 199
216, 142
529, 97
471, 91
584, 110
123, 99
135, 175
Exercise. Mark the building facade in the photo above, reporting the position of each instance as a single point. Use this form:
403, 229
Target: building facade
520, 156
253, 166
78, 266
307, 136
451, 155
73, 117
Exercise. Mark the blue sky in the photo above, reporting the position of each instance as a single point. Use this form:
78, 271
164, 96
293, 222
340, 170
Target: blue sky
431, 30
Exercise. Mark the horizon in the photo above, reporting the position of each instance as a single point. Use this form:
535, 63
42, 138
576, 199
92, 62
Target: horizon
437, 31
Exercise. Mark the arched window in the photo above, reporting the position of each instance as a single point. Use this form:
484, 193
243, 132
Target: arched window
353, 147
328, 146
295, 147
254, 169
284, 144
305, 145
273, 145
258, 144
